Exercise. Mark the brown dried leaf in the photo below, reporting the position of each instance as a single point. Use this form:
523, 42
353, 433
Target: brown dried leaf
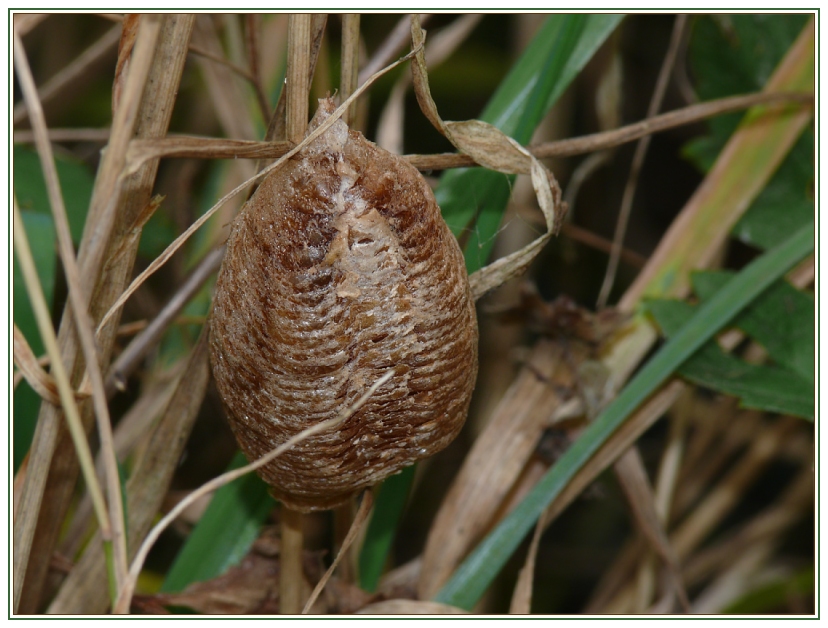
420, 78
410, 607
252, 586
490, 147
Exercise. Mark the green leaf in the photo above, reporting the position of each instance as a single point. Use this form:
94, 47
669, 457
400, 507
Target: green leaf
761, 387
382, 529
476, 573
786, 204
734, 54
224, 533
560, 50
781, 320
76, 184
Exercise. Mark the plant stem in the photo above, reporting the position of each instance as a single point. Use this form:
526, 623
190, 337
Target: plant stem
291, 576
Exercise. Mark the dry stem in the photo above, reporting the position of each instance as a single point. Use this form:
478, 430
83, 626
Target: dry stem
79, 301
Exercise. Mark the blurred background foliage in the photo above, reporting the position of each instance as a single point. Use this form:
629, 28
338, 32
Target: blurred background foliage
721, 55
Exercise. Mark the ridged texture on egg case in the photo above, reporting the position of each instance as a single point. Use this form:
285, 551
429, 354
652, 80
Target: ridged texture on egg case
338, 269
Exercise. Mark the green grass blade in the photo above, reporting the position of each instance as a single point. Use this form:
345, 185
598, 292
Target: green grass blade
225, 532
383, 528
30, 188
474, 576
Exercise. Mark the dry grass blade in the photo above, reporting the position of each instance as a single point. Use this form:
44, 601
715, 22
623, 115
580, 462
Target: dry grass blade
724, 497
25, 22
276, 127
521, 603
636, 486
80, 305
65, 392
359, 521
53, 471
664, 491
30, 369
129, 31
64, 135
83, 591
228, 94
717, 504
297, 93
179, 241
125, 595
203, 148
132, 434
794, 502
252, 24
442, 45
595, 241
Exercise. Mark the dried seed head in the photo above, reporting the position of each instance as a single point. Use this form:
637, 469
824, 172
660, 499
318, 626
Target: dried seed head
338, 269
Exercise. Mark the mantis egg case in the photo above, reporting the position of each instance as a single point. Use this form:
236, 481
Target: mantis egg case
338, 269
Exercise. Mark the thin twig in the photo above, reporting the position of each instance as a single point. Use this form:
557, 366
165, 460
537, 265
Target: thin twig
638, 161
356, 526
79, 300
210, 148
579, 234
176, 244
144, 341
210, 56
25, 136
122, 605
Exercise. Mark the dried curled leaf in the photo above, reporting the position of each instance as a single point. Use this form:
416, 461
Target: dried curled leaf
339, 268
492, 148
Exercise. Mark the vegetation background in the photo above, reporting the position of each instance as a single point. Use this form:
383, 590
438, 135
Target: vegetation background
716, 512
